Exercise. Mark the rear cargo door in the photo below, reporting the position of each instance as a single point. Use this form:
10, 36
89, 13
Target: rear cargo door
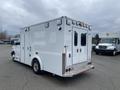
79, 45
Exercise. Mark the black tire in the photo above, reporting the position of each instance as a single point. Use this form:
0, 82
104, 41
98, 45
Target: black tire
36, 67
96, 53
12, 55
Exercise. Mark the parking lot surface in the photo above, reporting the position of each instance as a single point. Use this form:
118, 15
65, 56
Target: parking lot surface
16, 76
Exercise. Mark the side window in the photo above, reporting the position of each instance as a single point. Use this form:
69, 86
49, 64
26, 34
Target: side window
75, 38
83, 39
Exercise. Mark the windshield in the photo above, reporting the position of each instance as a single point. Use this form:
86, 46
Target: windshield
108, 40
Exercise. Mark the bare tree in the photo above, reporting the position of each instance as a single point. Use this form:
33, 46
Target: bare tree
97, 39
3, 35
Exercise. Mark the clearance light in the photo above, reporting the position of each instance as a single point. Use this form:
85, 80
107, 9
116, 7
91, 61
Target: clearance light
80, 23
73, 22
86, 25
89, 27
77, 23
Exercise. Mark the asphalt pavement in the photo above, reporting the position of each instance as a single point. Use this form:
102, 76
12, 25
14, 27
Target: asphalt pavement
16, 76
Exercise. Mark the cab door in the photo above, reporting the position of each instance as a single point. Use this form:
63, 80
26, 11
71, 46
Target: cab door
79, 45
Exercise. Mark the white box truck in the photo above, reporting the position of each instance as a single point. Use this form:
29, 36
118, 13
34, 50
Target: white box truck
109, 43
61, 46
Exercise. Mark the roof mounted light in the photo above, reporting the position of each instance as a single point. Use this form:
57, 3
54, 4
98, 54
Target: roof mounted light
73, 22
59, 22
80, 23
77, 23
68, 22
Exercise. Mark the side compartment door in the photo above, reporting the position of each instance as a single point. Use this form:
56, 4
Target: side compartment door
22, 46
27, 47
68, 48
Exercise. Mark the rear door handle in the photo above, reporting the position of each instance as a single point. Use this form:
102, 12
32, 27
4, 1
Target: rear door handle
27, 48
80, 50
77, 50
30, 48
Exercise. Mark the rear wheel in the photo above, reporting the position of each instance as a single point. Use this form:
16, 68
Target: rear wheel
36, 67
13, 55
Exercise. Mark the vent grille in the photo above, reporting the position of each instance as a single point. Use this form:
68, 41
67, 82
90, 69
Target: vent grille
102, 47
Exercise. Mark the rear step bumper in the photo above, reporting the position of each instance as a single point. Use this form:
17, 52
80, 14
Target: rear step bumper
77, 70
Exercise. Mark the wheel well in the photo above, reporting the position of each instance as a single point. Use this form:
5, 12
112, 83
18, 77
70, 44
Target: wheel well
35, 59
38, 59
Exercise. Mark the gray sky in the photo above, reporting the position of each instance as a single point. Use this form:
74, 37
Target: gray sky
103, 15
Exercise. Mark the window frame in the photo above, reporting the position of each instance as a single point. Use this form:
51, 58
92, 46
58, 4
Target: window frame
75, 38
83, 39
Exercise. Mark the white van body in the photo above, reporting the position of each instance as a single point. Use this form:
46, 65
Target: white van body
56, 45
109, 43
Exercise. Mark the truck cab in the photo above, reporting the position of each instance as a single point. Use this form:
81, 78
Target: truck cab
108, 45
